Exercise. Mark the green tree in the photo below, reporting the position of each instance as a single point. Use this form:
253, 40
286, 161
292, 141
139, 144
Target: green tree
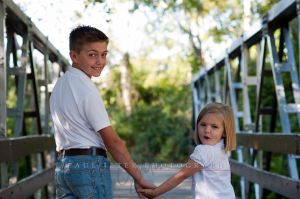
158, 124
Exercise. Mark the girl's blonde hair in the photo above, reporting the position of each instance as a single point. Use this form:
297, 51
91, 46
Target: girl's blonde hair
228, 120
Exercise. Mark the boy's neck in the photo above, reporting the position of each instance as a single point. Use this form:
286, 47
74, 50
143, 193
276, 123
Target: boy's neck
81, 70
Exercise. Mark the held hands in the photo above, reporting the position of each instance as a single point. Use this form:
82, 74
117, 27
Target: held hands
149, 193
141, 185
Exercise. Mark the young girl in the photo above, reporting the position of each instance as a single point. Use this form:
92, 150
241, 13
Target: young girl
209, 165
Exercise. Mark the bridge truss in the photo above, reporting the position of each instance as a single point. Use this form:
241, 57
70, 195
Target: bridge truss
259, 77
29, 63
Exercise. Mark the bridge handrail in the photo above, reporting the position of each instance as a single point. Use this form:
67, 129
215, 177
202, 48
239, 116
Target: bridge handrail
271, 142
12, 149
275, 182
29, 185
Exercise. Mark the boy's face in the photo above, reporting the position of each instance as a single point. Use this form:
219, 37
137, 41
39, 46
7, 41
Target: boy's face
91, 59
211, 128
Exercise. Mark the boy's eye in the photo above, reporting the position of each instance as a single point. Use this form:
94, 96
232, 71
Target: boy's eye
202, 124
103, 55
93, 55
215, 127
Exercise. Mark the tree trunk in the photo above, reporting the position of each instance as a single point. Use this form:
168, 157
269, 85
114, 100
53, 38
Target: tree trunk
125, 83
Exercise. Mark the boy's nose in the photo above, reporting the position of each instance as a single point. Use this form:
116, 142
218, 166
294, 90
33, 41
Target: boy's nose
101, 61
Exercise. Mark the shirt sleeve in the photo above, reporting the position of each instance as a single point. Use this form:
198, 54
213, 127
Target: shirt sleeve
203, 155
95, 112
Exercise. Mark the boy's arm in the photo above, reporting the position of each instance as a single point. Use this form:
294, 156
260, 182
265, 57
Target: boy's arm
117, 148
189, 169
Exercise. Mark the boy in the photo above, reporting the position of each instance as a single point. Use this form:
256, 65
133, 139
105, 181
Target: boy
82, 128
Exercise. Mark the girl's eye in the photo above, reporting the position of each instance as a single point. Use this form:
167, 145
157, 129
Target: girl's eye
215, 127
202, 124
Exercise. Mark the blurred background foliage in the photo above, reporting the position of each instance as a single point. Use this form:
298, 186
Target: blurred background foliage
156, 119
148, 94
149, 97
157, 126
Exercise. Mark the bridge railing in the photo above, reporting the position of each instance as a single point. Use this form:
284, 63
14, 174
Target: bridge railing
275, 143
258, 77
29, 65
14, 149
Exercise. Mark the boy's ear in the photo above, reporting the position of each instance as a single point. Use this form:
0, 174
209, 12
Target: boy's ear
73, 56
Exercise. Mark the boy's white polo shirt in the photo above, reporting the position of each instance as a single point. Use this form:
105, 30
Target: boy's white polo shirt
77, 111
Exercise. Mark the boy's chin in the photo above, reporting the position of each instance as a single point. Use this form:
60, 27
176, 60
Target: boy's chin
96, 75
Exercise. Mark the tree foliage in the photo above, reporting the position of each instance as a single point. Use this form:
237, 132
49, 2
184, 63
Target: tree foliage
205, 20
158, 128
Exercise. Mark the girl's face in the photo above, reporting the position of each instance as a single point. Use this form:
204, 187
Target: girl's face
211, 128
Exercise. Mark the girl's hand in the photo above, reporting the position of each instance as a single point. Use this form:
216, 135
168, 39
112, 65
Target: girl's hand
149, 193
145, 185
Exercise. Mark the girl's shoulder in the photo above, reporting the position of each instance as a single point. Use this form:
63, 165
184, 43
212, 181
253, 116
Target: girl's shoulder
203, 154
203, 147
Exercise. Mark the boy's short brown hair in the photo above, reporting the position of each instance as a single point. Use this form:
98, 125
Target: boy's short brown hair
82, 35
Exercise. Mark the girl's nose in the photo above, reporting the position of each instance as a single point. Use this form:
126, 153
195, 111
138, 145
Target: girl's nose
207, 129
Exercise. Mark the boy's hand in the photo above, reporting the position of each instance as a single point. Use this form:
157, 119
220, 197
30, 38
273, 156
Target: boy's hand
145, 184
149, 193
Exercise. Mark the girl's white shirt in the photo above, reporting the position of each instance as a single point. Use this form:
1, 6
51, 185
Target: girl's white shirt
214, 180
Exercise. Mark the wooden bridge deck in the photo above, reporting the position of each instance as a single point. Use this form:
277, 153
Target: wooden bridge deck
123, 184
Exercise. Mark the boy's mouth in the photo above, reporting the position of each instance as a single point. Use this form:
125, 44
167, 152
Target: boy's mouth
206, 137
96, 68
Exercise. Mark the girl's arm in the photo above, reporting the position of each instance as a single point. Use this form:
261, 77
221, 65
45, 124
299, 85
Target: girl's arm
189, 169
